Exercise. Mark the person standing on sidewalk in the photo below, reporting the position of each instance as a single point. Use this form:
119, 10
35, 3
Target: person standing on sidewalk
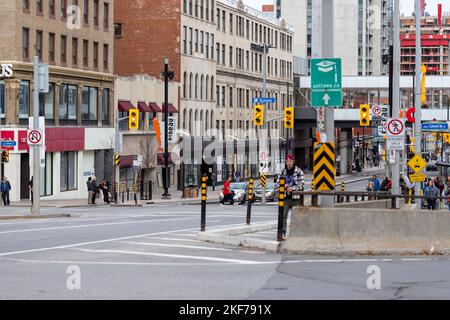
89, 189
94, 189
5, 187
30, 187
295, 181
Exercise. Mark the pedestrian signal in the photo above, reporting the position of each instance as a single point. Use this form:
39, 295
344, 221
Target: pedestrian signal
258, 117
289, 117
133, 119
5, 156
364, 115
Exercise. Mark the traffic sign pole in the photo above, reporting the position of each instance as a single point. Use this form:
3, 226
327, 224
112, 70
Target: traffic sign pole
36, 170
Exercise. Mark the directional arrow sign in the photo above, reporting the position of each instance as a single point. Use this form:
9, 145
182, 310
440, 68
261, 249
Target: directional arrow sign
326, 99
319, 98
326, 82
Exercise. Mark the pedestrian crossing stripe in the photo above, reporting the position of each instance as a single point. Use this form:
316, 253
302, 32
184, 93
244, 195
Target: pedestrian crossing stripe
324, 167
263, 180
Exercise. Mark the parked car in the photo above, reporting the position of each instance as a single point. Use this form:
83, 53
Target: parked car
272, 191
240, 192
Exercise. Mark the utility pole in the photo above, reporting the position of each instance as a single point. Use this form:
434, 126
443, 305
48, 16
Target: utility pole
166, 181
322, 47
287, 129
418, 106
35, 209
264, 127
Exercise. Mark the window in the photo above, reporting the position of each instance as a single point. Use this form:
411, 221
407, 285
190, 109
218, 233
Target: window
207, 45
105, 57
74, 51
185, 85
85, 53
190, 41
26, 43
212, 10
51, 8
47, 175
218, 95
218, 19
68, 177
26, 5
196, 40
218, 53
191, 81
207, 10
212, 46
24, 100
196, 86
51, 47
39, 44
190, 7
223, 20
185, 40
89, 105
206, 88
231, 23
67, 104
105, 107
39, 7
184, 6
201, 8
63, 49
196, 8
223, 54
2, 99
86, 12
106, 16
63, 9
230, 102
95, 55
118, 30
230, 53
201, 87
201, 41
46, 102
96, 13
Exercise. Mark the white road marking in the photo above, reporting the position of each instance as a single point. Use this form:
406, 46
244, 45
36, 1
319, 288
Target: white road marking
177, 246
180, 256
172, 239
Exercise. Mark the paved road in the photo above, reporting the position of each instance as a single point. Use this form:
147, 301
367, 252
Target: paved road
153, 253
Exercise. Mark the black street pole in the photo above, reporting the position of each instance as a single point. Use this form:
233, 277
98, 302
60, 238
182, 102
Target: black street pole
287, 129
166, 129
391, 77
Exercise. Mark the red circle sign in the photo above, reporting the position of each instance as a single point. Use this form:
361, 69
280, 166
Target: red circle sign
410, 115
395, 127
34, 137
376, 110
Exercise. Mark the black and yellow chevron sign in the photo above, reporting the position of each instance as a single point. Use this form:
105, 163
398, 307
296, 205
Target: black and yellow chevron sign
263, 179
324, 170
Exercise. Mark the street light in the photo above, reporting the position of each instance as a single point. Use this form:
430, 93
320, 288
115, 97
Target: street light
167, 75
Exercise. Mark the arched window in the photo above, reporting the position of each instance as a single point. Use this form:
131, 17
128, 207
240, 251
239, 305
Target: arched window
196, 87
190, 122
200, 127
206, 120
212, 89
190, 7
211, 122
196, 8
184, 119
201, 8
206, 88
190, 85
201, 87
196, 123
185, 85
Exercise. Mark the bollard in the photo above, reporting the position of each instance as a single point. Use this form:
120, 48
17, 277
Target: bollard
116, 192
150, 191
128, 194
123, 192
203, 206
135, 193
410, 196
302, 200
249, 201
314, 197
342, 190
281, 209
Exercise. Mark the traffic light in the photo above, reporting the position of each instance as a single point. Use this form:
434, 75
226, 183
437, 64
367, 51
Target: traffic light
424, 90
116, 159
364, 115
5, 156
447, 137
258, 117
289, 117
133, 119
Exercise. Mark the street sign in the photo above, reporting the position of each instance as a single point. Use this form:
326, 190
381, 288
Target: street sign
324, 166
263, 100
263, 156
326, 82
8, 143
376, 111
395, 143
137, 160
264, 167
435, 126
34, 137
382, 127
417, 177
417, 163
391, 159
396, 127
410, 115
171, 128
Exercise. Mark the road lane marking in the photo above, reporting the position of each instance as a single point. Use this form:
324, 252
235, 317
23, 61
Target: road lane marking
177, 246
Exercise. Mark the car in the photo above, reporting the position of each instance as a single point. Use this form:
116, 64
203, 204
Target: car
240, 192
272, 191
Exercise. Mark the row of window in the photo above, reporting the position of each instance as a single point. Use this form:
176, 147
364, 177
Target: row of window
68, 104
66, 6
198, 41
203, 9
198, 87
252, 30
63, 40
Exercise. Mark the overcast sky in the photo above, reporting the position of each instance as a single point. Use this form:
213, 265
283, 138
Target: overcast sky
406, 6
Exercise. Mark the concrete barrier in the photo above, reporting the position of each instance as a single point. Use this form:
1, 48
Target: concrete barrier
373, 204
369, 231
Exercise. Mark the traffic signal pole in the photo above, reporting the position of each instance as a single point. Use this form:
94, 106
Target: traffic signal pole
322, 47
166, 181
264, 127
35, 208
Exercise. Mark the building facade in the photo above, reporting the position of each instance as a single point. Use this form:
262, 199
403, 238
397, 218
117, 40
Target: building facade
77, 43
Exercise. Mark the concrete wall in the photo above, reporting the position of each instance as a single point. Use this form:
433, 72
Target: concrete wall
370, 231
373, 204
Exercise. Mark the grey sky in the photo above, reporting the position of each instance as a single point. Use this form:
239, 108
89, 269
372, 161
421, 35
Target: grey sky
406, 6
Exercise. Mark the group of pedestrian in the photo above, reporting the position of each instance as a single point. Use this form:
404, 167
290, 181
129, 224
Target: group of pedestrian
95, 189
434, 189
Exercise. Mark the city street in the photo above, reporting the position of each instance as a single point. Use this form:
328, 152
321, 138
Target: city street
152, 252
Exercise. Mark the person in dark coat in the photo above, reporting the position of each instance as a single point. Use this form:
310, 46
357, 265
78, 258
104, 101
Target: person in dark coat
104, 187
5, 187
94, 189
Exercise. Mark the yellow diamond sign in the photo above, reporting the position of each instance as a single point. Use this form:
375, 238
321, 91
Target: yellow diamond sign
417, 163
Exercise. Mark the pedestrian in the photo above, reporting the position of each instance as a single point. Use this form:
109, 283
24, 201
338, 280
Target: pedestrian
386, 184
228, 194
294, 181
213, 181
105, 190
370, 186
431, 194
30, 188
376, 183
447, 196
94, 189
89, 189
5, 187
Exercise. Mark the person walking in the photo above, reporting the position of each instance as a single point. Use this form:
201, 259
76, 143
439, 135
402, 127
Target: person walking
213, 181
431, 194
5, 187
294, 181
94, 189
228, 194
89, 189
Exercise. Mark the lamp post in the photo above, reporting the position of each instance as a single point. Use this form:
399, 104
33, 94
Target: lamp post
167, 75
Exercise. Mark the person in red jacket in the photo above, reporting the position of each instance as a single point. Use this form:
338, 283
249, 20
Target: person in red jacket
228, 194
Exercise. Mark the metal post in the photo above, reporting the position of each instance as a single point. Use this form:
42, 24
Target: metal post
203, 205
281, 209
36, 149
287, 129
264, 127
418, 113
249, 201
117, 150
166, 129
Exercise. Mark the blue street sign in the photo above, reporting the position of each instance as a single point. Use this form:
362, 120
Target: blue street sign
8, 143
264, 100
437, 126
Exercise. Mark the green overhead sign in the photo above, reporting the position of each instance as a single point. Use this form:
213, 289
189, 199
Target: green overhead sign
326, 82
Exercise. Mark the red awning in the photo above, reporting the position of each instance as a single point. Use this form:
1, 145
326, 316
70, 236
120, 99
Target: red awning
172, 109
124, 106
154, 107
143, 107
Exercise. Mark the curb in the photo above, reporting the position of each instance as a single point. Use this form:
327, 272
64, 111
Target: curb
41, 216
